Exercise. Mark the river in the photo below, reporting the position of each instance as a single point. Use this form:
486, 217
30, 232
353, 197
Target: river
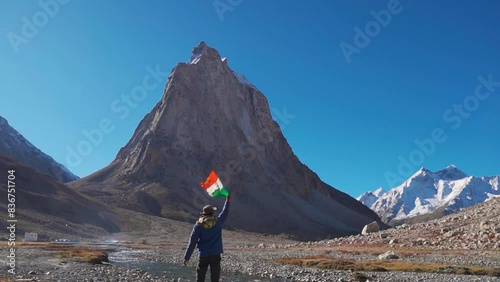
134, 259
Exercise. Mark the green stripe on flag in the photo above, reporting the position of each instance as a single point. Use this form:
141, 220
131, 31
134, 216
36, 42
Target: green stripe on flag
222, 192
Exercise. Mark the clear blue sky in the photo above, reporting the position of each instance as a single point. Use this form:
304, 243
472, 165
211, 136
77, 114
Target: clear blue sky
352, 120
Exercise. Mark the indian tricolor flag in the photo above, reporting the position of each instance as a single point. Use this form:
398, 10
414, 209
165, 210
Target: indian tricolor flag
214, 187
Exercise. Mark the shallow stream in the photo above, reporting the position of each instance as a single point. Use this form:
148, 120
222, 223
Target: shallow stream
134, 259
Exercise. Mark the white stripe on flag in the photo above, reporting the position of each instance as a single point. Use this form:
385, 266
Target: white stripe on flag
216, 186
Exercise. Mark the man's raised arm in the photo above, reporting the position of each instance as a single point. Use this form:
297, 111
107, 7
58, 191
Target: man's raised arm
225, 210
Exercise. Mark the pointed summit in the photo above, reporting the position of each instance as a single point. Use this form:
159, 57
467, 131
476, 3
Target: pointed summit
451, 172
203, 52
379, 192
369, 198
422, 173
424, 169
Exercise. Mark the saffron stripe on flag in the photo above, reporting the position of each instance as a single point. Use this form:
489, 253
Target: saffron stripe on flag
211, 179
214, 186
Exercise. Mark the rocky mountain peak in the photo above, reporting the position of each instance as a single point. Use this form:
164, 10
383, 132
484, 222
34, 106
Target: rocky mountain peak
211, 117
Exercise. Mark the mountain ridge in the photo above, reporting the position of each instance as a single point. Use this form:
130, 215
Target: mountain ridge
47, 206
13, 143
447, 190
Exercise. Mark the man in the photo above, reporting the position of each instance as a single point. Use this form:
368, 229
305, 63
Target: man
207, 234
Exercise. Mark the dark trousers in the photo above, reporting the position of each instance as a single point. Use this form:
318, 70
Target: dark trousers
214, 263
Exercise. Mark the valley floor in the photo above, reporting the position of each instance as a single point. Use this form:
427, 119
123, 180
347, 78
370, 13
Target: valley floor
461, 247
247, 258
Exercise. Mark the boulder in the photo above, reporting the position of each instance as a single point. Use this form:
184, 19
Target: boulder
370, 228
394, 241
388, 255
485, 224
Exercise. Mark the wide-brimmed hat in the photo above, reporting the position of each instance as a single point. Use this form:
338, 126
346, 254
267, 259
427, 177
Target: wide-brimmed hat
208, 209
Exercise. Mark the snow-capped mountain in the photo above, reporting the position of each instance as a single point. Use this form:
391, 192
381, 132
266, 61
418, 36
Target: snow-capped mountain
13, 144
369, 198
448, 190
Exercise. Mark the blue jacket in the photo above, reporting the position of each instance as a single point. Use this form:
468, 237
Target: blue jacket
209, 240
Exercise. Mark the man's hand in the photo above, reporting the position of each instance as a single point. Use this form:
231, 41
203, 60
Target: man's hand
228, 198
186, 262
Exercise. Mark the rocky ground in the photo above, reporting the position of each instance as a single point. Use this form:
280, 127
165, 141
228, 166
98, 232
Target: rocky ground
475, 228
467, 238
257, 262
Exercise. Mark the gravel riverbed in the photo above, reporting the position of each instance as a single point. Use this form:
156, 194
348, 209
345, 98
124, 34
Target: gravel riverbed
238, 265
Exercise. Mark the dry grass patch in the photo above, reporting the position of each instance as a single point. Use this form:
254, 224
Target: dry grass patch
81, 254
377, 250
324, 262
25, 245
